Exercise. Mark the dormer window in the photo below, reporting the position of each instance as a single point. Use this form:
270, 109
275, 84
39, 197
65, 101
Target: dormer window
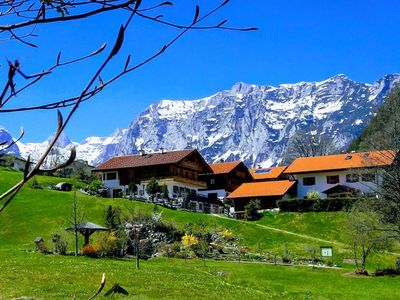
348, 157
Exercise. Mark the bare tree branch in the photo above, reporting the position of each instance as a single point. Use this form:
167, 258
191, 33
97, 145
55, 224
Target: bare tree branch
89, 91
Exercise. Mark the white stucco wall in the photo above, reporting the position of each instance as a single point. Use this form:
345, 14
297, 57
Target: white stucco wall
322, 185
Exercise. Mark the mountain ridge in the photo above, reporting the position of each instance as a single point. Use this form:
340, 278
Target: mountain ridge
248, 122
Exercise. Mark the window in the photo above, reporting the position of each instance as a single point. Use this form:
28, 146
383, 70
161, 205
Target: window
309, 181
175, 189
332, 179
111, 176
368, 177
352, 178
212, 180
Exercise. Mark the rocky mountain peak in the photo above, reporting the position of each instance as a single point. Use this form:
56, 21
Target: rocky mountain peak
252, 123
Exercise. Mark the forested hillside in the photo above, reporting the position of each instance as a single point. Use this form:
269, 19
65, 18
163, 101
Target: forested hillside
383, 132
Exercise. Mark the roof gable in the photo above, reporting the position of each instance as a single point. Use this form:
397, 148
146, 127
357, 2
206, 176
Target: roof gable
224, 167
151, 159
342, 161
262, 189
267, 173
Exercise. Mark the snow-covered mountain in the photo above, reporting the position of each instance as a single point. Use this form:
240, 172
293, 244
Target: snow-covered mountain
6, 143
89, 150
252, 123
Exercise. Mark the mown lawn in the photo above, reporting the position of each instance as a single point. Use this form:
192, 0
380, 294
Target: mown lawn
28, 274
41, 212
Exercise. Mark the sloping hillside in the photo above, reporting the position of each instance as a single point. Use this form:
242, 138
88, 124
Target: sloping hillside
42, 212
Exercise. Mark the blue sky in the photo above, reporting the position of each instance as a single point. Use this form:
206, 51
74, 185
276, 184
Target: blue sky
298, 41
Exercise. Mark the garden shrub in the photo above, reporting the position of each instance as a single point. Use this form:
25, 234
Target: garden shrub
169, 250
112, 244
60, 243
313, 195
251, 210
90, 250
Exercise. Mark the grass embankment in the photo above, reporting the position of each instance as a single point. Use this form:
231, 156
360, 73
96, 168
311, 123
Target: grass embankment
44, 212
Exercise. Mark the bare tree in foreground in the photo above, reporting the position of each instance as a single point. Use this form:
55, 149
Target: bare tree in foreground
21, 19
303, 144
383, 133
366, 234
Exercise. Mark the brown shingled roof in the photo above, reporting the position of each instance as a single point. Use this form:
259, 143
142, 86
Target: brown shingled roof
224, 167
262, 189
151, 159
342, 161
267, 173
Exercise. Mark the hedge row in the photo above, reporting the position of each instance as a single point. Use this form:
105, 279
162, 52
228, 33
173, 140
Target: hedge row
305, 205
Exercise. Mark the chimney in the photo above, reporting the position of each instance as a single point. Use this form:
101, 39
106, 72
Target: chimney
162, 150
141, 152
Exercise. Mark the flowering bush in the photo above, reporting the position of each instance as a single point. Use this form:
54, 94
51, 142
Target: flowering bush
188, 240
227, 235
90, 250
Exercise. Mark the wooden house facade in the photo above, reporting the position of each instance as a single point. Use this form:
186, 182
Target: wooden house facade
178, 170
224, 178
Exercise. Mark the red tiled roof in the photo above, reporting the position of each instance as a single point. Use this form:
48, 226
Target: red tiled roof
151, 159
342, 161
267, 173
224, 167
262, 189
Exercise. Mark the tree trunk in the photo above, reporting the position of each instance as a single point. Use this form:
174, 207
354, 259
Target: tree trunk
355, 255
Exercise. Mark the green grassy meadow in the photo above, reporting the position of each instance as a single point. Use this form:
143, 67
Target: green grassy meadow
25, 273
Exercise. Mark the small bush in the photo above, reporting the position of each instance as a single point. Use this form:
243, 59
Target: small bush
169, 250
42, 248
35, 184
251, 210
313, 195
387, 272
111, 244
90, 250
60, 243
286, 260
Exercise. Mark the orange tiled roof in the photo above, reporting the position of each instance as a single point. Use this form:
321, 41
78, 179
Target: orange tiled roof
342, 161
267, 173
262, 189
224, 167
150, 159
